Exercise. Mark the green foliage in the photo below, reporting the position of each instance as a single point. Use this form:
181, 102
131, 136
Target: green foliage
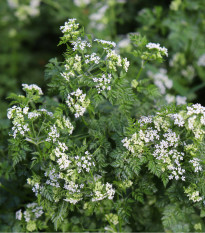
92, 108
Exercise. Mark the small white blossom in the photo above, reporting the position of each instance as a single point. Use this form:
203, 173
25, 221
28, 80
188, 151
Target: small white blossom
77, 104
180, 100
81, 2
103, 83
196, 164
161, 80
19, 214
32, 87
33, 115
53, 134
82, 162
105, 42
70, 29
80, 44
97, 16
201, 61
93, 58
157, 46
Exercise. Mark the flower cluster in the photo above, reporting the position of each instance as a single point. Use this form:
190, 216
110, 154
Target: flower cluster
53, 134
145, 119
43, 110
192, 194
70, 29
23, 10
65, 123
80, 44
66, 75
115, 60
68, 125
97, 17
188, 72
103, 83
125, 42
78, 104
36, 187
196, 164
73, 187
106, 43
157, 134
33, 115
32, 88
163, 50
103, 191
161, 80
201, 61
61, 157
72, 64
92, 58
21, 116
32, 212
82, 3
112, 218
175, 99
74, 194
84, 162
19, 125
52, 176
196, 119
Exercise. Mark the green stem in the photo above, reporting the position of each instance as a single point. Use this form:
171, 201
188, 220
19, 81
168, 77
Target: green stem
84, 121
40, 128
120, 223
79, 135
112, 21
143, 63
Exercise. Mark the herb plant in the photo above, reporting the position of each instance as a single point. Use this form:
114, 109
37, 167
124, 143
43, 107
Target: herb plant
99, 152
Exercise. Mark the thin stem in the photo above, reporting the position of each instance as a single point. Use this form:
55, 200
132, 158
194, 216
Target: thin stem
143, 63
84, 121
40, 128
79, 135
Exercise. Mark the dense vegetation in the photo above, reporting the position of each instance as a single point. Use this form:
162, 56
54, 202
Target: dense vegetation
112, 139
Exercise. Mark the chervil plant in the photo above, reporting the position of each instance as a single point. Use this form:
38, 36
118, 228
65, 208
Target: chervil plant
88, 157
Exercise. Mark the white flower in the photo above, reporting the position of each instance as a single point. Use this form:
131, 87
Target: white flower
110, 191
80, 44
69, 28
124, 43
19, 215
81, 2
32, 87
105, 42
157, 46
93, 58
77, 102
161, 80
180, 100
99, 14
196, 164
201, 61
33, 115
103, 82
53, 134
72, 200
170, 98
